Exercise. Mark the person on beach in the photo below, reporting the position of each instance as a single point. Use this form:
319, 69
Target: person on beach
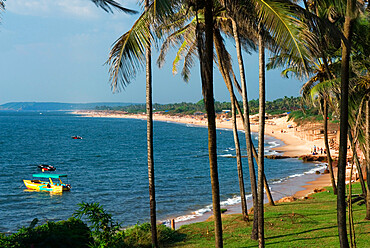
314, 148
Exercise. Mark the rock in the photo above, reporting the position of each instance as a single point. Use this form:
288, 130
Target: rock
287, 199
277, 156
310, 158
319, 190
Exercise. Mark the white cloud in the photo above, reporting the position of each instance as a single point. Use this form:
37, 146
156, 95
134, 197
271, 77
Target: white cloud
50, 8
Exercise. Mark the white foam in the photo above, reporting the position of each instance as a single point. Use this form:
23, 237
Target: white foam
273, 144
195, 214
271, 152
320, 167
231, 201
226, 155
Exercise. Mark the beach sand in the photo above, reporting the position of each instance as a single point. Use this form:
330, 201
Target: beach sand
298, 140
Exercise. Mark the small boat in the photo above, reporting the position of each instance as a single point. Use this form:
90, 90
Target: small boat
76, 137
51, 186
46, 167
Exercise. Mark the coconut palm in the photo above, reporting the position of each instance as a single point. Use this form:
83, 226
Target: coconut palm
350, 14
130, 53
312, 92
206, 65
276, 19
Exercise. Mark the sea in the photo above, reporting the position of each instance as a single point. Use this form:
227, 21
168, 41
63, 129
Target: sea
109, 166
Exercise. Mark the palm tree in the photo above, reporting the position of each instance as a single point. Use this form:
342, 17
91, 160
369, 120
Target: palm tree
206, 65
310, 92
247, 129
149, 114
346, 50
129, 54
225, 68
261, 139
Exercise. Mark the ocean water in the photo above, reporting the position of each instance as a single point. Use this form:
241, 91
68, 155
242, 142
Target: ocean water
109, 166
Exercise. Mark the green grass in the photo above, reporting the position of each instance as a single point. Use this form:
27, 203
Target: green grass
303, 223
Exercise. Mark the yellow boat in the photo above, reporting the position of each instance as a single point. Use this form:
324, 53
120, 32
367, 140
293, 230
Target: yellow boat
50, 186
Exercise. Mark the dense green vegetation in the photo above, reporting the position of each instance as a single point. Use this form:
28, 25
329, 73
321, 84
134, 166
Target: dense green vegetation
69, 233
277, 106
74, 233
302, 223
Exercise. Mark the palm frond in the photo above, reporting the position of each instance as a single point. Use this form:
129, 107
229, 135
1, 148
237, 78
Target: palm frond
285, 28
175, 39
127, 55
189, 61
107, 5
324, 88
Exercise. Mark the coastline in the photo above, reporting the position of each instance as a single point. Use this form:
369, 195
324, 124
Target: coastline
295, 144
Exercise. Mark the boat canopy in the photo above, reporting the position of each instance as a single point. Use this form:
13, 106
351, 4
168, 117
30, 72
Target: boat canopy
49, 175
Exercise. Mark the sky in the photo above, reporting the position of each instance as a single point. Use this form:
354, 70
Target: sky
55, 51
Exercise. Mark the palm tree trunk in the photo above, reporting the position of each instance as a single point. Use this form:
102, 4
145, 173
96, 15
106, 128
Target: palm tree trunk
206, 63
368, 158
261, 139
247, 129
149, 114
239, 164
226, 76
357, 161
265, 183
330, 161
341, 199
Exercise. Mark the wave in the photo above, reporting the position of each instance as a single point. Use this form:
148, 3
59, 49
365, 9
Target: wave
230, 201
319, 167
273, 144
227, 155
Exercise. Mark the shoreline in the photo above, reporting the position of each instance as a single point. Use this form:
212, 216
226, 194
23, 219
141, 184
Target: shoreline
278, 128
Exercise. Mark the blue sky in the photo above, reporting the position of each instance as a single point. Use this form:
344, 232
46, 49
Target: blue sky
55, 50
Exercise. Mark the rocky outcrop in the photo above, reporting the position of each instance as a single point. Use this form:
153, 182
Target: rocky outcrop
313, 158
279, 156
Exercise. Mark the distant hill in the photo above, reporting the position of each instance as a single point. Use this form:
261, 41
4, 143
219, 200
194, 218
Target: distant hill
57, 106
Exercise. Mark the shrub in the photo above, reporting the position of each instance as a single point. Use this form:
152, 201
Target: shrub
70, 233
106, 233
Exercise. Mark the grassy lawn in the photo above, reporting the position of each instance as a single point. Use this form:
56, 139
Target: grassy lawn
303, 223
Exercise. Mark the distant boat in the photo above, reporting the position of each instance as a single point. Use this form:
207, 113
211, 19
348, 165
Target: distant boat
46, 167
76, 137
51, 186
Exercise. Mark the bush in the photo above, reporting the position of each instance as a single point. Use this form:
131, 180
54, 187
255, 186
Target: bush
106, 233
63, 234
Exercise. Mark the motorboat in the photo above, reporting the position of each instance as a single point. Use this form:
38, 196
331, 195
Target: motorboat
76, 137
46, 167
50, 186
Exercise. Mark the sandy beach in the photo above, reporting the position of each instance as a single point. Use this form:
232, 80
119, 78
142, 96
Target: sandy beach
298, 140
